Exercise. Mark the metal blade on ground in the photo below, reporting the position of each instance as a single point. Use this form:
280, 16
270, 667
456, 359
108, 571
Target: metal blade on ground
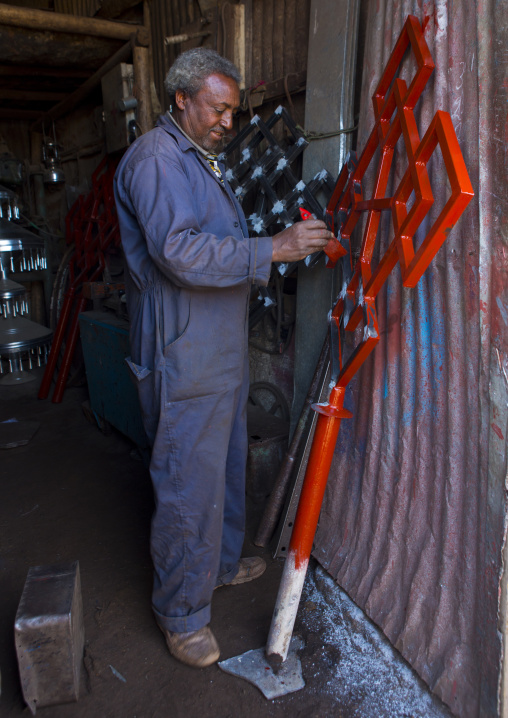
253, 667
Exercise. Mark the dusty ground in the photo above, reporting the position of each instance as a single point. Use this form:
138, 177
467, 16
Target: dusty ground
73, 493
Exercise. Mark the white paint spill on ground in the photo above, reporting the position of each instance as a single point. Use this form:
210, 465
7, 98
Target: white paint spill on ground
366, 675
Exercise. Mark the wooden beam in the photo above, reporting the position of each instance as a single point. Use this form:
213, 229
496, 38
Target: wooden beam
122, 55
38, 71
61, 22
10, 113
31, 95
19, 46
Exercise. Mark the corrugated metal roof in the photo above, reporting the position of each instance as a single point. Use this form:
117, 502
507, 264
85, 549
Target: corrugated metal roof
413, 521
87, 8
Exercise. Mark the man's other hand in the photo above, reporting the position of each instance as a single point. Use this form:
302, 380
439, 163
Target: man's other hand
301, 239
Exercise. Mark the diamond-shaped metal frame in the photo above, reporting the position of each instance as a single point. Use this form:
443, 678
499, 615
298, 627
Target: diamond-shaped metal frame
394, 105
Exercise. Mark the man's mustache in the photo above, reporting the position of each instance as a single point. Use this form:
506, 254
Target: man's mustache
226, 136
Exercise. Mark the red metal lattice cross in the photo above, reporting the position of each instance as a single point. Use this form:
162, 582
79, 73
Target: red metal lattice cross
394, 104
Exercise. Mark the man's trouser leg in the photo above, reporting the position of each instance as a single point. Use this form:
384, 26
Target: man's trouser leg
191, 459
234, 520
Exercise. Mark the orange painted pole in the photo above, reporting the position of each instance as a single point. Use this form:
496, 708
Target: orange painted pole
306, 521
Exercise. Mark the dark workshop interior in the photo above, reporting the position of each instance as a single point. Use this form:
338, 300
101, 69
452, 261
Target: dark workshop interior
385, 119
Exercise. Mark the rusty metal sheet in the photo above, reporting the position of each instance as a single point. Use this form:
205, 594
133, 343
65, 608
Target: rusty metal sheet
413, 521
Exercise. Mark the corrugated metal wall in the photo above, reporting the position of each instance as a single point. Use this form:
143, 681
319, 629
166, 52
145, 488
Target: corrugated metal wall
280, 33
413, 521
167, 17
276, 36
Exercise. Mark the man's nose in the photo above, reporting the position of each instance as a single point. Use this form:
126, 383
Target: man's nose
226, 120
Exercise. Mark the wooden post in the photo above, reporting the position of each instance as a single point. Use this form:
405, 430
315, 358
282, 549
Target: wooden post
141, 60
38, 184
154, 100
239, 42
35, 148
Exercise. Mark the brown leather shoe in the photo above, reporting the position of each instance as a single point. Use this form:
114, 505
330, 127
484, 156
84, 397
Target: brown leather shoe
249, 569
196, 648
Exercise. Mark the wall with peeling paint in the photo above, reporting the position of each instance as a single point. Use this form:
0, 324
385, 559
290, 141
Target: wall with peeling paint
413, 521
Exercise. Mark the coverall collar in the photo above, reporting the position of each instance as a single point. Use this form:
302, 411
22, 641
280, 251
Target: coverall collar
168, 123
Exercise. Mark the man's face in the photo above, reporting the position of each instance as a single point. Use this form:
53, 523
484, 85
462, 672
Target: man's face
208, 116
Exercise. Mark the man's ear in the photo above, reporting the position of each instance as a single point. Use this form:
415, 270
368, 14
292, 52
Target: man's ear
180, 99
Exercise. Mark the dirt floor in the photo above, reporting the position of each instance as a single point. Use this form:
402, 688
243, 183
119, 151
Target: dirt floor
74, 493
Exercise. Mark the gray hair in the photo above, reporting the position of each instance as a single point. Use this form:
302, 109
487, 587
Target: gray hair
192, 67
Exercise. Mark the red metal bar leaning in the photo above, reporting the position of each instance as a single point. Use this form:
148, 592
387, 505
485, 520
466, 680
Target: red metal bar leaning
56, 345
92, 226
393, 109
69, 352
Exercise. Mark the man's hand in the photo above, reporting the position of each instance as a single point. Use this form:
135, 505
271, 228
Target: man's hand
301, 239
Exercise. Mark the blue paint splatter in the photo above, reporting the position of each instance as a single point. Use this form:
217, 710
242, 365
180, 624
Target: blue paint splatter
502, 309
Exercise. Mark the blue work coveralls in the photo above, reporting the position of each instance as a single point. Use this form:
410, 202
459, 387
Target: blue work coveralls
190, 266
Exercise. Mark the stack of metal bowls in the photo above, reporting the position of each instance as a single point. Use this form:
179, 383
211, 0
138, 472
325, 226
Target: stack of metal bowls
23, 343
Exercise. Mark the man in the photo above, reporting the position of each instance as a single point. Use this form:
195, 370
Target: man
190, 267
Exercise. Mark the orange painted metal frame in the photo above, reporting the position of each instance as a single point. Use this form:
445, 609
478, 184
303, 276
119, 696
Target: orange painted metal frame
394, 104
